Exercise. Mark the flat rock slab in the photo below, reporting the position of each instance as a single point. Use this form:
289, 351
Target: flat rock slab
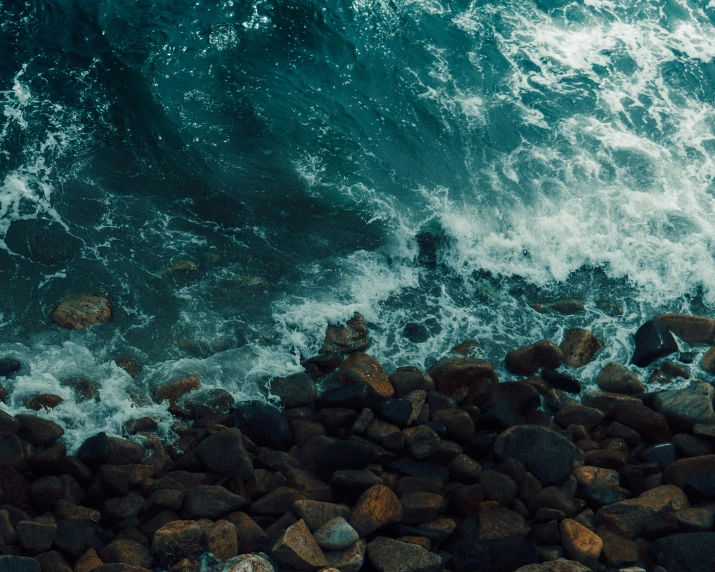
546, 454
388, 555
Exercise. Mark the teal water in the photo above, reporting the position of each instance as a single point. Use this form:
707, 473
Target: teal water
435, 165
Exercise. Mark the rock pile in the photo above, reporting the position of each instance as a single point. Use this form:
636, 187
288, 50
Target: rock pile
449, 469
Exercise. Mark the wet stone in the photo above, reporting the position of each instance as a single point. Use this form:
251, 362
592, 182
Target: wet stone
561, 380
361, 368
348, 485
450, 373
653, 340
43, 401
663, 453
210, 501
295, 390
316, 513
77, 311
389, 555
618, 378
264, 425
209, 402
530, 359
351, 337
348, 560
408, 379
579, 347
36, 536
223, 453
297, 548
336, 534
37, 430
687, 407
9, 563
376, 507
691, 329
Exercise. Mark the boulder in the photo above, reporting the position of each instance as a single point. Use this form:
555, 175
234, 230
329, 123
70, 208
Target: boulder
360, 368
691, 329
316, 513
560, 380
342, 339
126, 551
450, 373
653, 340
530, 359
650, 425
686, 407
377, 507
223, 453
617, 378
579, 347
34, 535
389, 555
546, 454
209, 402
264, 425
77, 311
295, 390
577, 414
220, 540
9, 367
408, 379
174, 390
422, 441
297, 548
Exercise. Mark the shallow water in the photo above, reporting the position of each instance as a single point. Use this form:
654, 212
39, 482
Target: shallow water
422, 162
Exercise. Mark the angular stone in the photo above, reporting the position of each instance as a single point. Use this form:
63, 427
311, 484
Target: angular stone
695, 519
580, 544
422, 441
498, 487
650, 425
250, 563
342, 339
617, 550
377, 507
295, 390
223, 453
18, 564
450, 373
653, 341
388, 555
175, 541
628, 517
336, 534
579, 347
344, 455
220, 540
691, 329
277, 502
77, 311
420, 507
530, 359
349, 485
617, 378
36, 536
297, 548
315, 513
546, 454
362, 368
692, 445
348, 560
210, 501
686, 407
249, 536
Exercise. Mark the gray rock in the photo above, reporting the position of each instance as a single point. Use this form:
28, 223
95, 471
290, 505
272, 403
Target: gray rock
210, 501
223, 453
388, 555
336, 534
686, 407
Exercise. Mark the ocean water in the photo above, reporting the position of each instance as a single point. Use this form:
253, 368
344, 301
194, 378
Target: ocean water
436, 165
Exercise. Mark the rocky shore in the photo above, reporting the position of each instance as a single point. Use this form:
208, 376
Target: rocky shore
416, 471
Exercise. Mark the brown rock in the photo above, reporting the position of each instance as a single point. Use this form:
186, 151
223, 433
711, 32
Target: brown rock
387, 434
37, 430
674, 370
580, 543
458, 422
467, 500
607, 401
69, 511
628, 517
88, 561
422, 441
607, 459
407, 379
315, 513
77, 311
389, 555
530, 359
304, 430
210, 501
295, 390
126, 552
220, 540
708, 361
576, 413
362, 368
695, 519
223, 453
348, 560
617, 378
53, 561
176, 389
377, 507
599, 477
42, 401
650, 425
175, 541
464, 469
297, 548
617, 550
450, 373
680, 471
249, 536
342, 339
579, 347
419, 507
691, 329
498, 487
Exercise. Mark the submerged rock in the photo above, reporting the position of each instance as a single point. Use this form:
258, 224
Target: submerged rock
9, 367
565, 306
78, 311
183, 265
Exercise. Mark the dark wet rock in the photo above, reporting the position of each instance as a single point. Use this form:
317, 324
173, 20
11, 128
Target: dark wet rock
77, 311
579, 347
220, 540
561, 380
686, 407
663, 453
354, 396
553, 498
84, 389
596, 496
421, 441
424, 469
692, 445
295, 390
530, 359
42, 401
450, 373
708, 361
546, 454
653, 340
416, 333
691, 329
498, 487
37, 430
210, 501
389, 555
609, 308
458, 422
10, 563
11, 452
9, 367
209, 402
126, 552
348, 485
175, 541
351, 337
175, 389
680, 471
224, 454
606, 401
408, 379
377, 507
322, 364
344, 455
617, 378
574, 413
35, 535
650, 425
298, 549
250, 536
693, 552
397, 411
264, 425
522, 396
700, 486
564, 306
420, 507
361, 368
130, 365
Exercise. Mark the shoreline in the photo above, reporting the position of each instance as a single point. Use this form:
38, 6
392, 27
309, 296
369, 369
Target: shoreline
448, 469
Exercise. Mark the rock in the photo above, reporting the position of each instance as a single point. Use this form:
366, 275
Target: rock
498, 487
560, 380
694, 552
18, 564
458, 422
175, 541
351, 337
277, 502
223, 453
692, 446
580, 543
43, 401
297, 548
264, 425
421, 441
348, 560
210, 501
398, 411
420, 507
344, 455
176, 389
355, 396
209, 402
691, 329
617, 378
37, 430
362, 368
650, 425
295, 390
9, 367
653, 341
546, 454
686, 407
530, 359
617, 550
77, 311
250, 563
564, 306
348, 485
554, 498
408, 379
574, 413
377, 507
450, 373
679, 472
336, 534
388, 555
424, 469
708, 361
628, 517
579, 347
596, 476
464, 469
315, 513
321, 365
36, 536
126, 552
607, 401
220, 540
695, 519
